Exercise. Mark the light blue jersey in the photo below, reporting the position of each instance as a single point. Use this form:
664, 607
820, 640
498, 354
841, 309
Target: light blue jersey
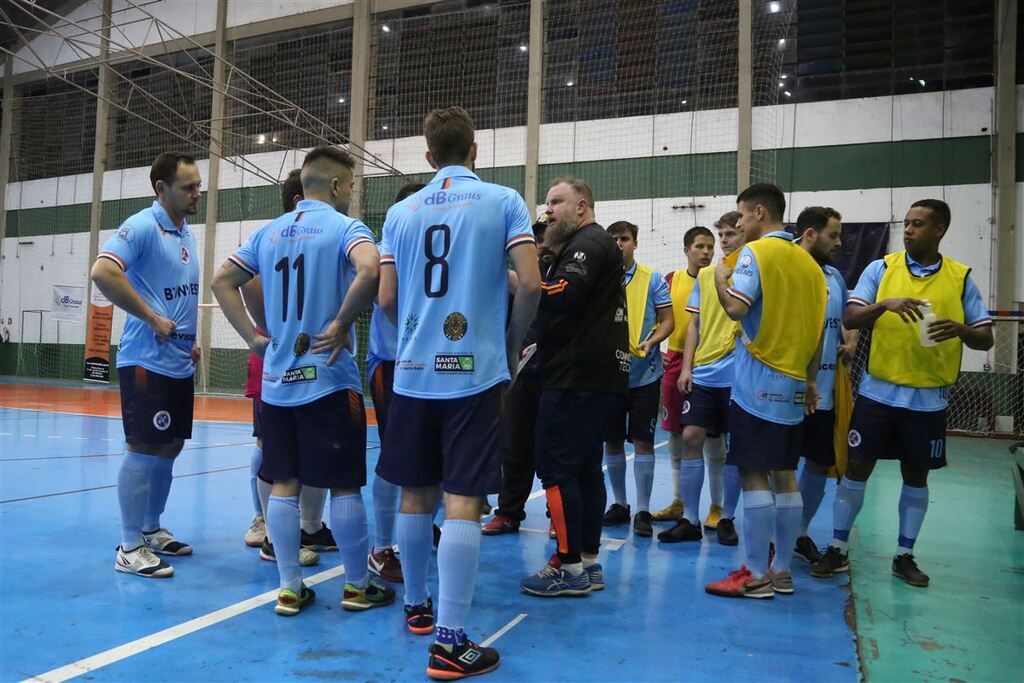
720, 373
302, 257
928, 399
837, 298
449, 244
643, 371
161, 264
383, 340
757, 388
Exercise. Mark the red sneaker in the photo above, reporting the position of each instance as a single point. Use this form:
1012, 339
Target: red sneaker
386, 565
741, 584
501, 524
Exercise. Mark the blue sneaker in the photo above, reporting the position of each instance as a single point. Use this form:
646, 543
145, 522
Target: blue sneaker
552, 582
595, 573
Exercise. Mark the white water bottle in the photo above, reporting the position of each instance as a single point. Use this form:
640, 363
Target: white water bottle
928, 317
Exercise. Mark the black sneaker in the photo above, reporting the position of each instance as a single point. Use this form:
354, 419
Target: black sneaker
616, 515
727, 531
321, 540
806, 550
642, 524
833, 562
682, 531
905, 567
420, 618
468, 659
437, 536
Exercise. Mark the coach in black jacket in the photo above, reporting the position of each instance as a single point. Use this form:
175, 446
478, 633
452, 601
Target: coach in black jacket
583, 352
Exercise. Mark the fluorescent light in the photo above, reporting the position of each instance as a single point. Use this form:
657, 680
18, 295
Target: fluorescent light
570, 83
341, 100
683, 102
787, 93
384, 127
260, 139
522, 48
781, 84
784, 76
773, 7
782, 42
273, 139
921, 81
385, 28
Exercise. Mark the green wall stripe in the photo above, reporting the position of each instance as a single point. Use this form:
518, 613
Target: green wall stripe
908, 163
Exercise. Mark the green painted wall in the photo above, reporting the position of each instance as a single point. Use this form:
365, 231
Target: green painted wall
909, 163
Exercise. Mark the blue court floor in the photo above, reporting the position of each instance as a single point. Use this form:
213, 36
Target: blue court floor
64, 611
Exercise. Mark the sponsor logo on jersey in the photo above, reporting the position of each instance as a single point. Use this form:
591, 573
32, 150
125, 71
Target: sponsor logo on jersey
441, 197
162, 420
185, 255
459, 363
455, 326
123, 233
178, 291
799, 398
620, 314
744, 261
301, 345
412, 322
307, 373
853, 438
579, 256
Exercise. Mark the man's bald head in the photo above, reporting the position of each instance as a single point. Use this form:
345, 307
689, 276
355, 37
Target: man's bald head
327, 176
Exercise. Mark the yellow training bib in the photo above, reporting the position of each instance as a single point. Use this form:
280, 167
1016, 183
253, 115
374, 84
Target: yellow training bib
679, 292
636, 305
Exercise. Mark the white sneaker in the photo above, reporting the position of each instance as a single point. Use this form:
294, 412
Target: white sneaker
162, 542
142, 562
257, 532
307, 557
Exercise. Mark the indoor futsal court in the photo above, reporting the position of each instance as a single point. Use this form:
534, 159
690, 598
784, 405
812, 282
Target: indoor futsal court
163, 156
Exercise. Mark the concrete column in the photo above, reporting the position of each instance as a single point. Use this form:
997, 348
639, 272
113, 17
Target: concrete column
99, 156
217, 110
5, 146
360, 98
534, 103
1008, 238
744, 99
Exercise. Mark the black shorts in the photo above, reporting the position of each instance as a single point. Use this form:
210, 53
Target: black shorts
634, 416
322, 443
382, 383
759, 444
155, 408
257, 416
881, 432
706, 407
456, 441
819, 444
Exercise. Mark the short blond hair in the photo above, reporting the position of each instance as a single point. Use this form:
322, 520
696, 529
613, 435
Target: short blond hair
578, 186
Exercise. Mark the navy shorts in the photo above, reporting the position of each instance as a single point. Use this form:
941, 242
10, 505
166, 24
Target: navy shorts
456, 441
706, 407
257, 416
634, 416
382, 382
322, 443
881, 432
759, 444
819, 444
155, 408
568, 446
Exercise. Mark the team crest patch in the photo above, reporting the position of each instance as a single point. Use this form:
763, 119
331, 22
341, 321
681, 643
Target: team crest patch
686, 407
162, 420
301, 345
455, 326
185, 255
664, 413
744, 261
854, 438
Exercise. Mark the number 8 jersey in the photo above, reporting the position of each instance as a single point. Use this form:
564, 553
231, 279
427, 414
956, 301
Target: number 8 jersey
449, 244
302, 258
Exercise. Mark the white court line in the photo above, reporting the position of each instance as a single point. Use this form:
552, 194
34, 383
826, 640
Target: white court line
89, 664
503, 630
28, 434
540, 492
6, 434
54, 437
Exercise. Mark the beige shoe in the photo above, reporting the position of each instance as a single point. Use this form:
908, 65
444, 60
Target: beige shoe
672, 513
714, 515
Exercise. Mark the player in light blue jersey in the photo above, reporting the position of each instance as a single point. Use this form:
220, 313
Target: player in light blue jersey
819, 232
380, 373
634, 417
444, 282
774, 283
150, 269
319, 270
900, 413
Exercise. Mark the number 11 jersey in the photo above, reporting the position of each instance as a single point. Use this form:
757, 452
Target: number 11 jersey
302, 258
449, 244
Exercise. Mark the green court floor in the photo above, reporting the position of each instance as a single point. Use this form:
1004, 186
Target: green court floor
969, 624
